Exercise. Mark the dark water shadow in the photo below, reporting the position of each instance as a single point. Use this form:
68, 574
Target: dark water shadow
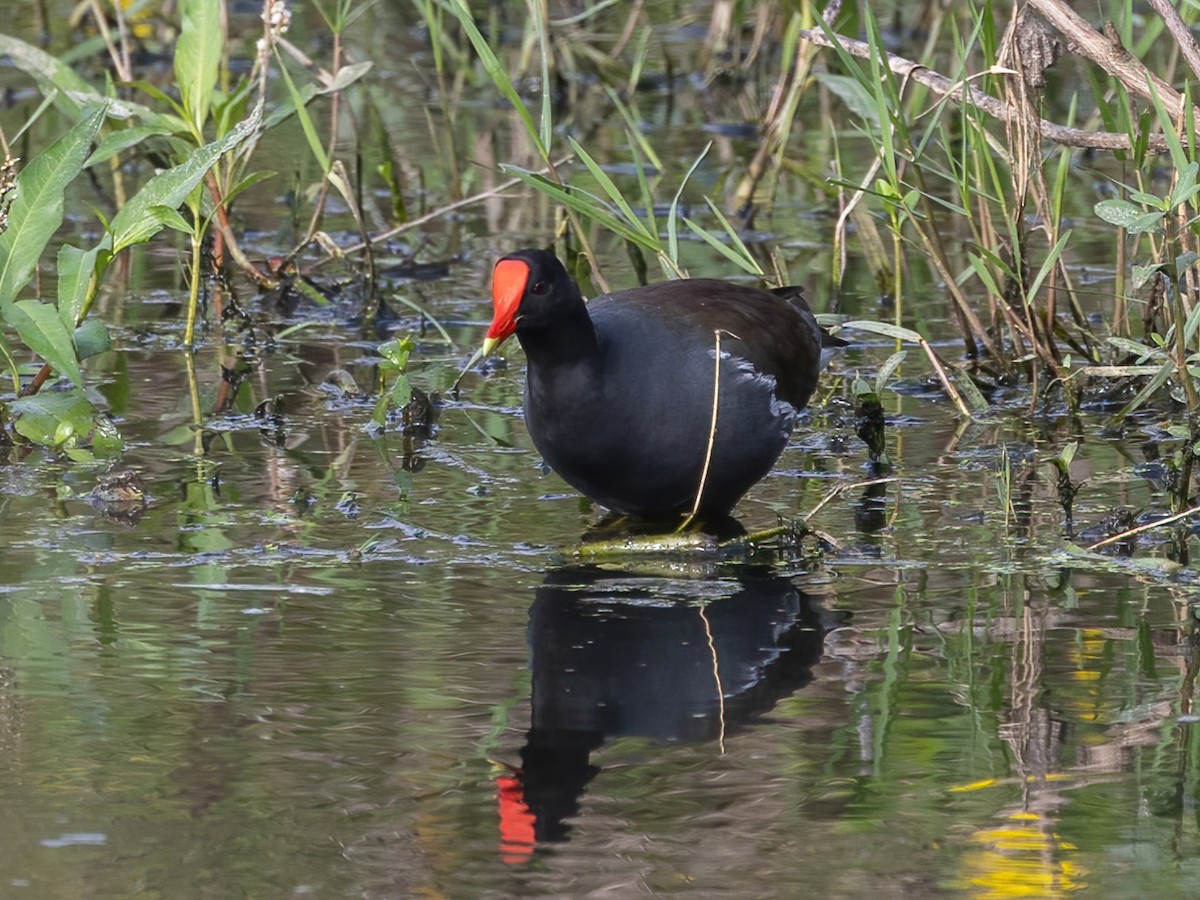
618, 654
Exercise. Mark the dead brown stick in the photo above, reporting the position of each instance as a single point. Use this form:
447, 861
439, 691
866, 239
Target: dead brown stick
1105, 50
1180, 31
1132, 531
961, 92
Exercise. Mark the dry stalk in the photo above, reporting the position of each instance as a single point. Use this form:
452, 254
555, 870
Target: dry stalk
961, 92
712, 429
712, 649
1147, 527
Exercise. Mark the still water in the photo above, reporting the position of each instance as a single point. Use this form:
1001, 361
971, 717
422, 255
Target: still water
325, 663
286, 677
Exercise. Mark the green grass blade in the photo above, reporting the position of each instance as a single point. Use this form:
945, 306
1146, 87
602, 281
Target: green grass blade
306, 123
635, 132
547, 118
751, 264
721, 247
499, 74
1167, 124
613, 192
586, 204
1047, 266
673, 215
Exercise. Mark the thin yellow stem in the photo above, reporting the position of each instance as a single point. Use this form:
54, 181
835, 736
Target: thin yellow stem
712, 649
712, 432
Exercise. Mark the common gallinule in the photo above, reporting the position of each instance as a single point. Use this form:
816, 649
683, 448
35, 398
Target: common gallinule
619, 391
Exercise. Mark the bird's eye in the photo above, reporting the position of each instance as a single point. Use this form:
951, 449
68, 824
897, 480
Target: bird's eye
539, 287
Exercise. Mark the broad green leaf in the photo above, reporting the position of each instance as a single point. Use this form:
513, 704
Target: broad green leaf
853, 94
75, 268
113, 143
1185, 187
43, 332
170, 218
1142, 274
890, 365
136, 223
1147, 199
1121, 213
51, 74
198, 58
346, 76
91, 338
884, 328
1136, 350
1149, 222
67, 419
37, 210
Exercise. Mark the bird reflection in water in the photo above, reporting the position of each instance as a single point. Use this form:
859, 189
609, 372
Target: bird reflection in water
674, 660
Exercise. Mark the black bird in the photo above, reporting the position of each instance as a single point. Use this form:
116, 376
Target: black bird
619, 393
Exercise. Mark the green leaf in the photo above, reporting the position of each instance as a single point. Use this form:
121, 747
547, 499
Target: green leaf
91, 339
609, 188
673, 214
65, 419
1142, 274
115, 142
75, 268
1121, 213
721, 247
136, 222
1047, 266
498, 72
37, 210
170, 218
884, 328
1185, 187
586, 205
853, 94
306, 123
890, 365
198, 58
1160, 378
51, 74
1149, 222
1139, 351
748, 262
1147, 199
43, 332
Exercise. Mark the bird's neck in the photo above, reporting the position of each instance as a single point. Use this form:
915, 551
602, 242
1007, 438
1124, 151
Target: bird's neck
570, 340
